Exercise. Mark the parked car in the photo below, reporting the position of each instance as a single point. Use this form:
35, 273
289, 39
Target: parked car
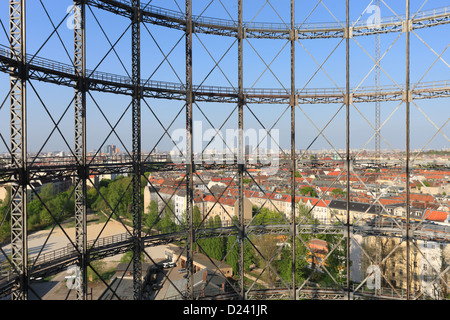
169, 265
182, 270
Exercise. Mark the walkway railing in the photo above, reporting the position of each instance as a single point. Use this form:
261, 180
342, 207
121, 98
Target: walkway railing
158, 13
170, 87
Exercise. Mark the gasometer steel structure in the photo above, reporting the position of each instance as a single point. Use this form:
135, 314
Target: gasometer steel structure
23, 67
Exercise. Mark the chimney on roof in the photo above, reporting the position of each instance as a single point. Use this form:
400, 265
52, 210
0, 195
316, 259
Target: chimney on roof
205, 274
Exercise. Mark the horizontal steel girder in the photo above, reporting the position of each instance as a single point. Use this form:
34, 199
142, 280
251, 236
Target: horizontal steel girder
46, 70
267, 30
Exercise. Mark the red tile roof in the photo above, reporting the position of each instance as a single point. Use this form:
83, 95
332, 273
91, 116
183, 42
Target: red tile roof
434, 215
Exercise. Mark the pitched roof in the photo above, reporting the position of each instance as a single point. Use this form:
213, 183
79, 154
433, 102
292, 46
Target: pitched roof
435, 215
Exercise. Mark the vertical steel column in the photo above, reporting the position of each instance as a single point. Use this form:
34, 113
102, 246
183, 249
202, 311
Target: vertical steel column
80, 144
189, 155
18, 78
136, 137
377, 117
377, 91
408, 97
293, 103
241, 154
347, 102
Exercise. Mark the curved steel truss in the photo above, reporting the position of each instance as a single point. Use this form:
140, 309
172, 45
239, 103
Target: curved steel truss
64, 74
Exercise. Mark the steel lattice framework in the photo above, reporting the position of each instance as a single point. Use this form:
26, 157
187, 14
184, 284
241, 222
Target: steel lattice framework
23, 67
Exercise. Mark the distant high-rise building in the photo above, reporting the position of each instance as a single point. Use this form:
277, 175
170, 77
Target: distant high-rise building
111, 150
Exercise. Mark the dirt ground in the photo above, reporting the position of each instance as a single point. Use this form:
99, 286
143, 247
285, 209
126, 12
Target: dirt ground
56, 238
56, 288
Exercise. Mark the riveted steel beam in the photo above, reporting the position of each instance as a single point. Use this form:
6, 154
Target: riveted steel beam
80, 144
407, 166
189, 156
293, 104
348, 160
19, 244
268, 30
241, 155
136, 146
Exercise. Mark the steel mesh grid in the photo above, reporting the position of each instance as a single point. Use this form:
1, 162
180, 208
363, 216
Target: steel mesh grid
243, 102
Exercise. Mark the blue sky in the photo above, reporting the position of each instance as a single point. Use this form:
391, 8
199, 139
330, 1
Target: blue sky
309, 53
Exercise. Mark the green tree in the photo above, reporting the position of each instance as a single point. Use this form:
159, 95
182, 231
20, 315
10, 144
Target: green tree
338, 192
46, 192
308, 190
57, 207
151, 220
426, 183
118, 194
232, 251
284, 264
197, 217
5, 227
217, 221
337, 261
100, 203
209, 223
34, 209
167, 225
128, 256
213, 247
92, 196
169, 209
268, 217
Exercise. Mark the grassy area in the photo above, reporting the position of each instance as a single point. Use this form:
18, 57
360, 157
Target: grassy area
103, 269
94, 217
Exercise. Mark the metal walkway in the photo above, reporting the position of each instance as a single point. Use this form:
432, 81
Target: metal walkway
46, 70
268, 30
52, 262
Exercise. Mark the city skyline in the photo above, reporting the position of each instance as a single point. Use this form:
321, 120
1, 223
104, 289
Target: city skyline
247, 149
315, 69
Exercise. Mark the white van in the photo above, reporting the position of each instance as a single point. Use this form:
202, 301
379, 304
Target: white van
168, 265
